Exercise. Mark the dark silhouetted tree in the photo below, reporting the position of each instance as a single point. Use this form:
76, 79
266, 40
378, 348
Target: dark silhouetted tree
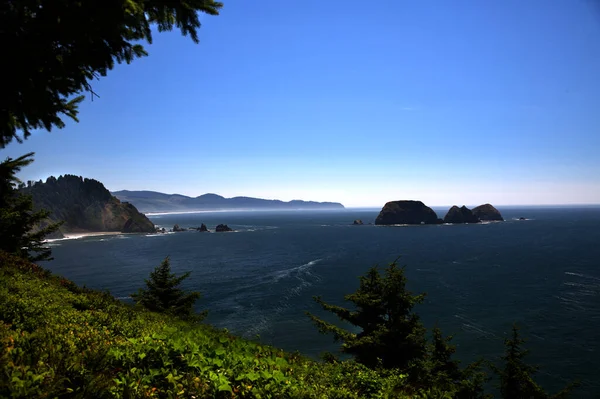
516, 377
438, 368
391, 335
164, 295
22, 230
56, 48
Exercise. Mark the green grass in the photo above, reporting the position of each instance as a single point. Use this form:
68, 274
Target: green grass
59, 340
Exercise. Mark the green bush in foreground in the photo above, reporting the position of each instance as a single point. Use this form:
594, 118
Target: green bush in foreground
59, 340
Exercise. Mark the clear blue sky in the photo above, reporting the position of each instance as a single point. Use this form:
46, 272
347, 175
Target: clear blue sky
449, 102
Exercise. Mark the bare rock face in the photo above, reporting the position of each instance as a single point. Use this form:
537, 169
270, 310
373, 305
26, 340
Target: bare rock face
487, 212
136, 225
460, 215
406, 212
223, 227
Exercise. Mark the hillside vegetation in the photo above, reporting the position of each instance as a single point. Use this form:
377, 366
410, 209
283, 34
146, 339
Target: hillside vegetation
85, 205
57, 339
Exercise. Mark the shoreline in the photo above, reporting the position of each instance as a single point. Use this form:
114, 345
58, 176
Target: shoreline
78, 235
90, 234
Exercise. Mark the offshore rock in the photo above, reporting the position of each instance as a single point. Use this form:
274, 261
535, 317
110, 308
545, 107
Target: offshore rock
487, 212
223, 227
177, 228
460, 215
406, 212
358, 222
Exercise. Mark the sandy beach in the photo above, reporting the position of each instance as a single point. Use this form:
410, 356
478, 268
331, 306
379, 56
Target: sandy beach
77, 235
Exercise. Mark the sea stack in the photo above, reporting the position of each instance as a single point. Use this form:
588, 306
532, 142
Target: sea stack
406, 212
460, 215
487, 212
358, 221
136, 225
177, 228
223, 227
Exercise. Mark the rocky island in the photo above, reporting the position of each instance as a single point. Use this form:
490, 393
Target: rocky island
416, 212
487, 212
176, 228
458, 215
406, 212
222, 227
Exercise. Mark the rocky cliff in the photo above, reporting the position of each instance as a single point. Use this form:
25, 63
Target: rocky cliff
406, 212
86, 205
460, 215
487, 212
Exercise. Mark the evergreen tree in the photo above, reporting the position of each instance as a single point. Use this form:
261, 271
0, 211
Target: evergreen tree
439, 369
163, 294
22, 230
516, 379
56, 48
391, 335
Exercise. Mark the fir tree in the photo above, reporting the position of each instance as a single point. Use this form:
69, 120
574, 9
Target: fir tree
439, 368
516, 377
391, 335
56, 48
22, 230
163, 294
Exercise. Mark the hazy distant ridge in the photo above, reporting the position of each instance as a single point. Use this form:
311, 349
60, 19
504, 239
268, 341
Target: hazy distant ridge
152, 201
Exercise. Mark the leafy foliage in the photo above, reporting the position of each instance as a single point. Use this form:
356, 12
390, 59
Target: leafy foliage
57, 47
59, 340
516, 377
22, 230
391, 335
163, 294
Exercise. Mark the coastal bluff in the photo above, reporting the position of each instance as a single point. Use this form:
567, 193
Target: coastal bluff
85, 205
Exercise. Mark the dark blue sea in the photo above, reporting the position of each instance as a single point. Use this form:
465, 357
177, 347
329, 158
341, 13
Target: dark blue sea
542, 273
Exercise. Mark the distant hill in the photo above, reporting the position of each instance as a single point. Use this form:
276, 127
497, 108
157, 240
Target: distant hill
152, 201
85, 205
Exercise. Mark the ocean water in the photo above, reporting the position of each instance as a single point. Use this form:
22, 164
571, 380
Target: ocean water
542, 273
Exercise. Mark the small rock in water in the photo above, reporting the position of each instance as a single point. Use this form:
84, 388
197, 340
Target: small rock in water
358, 221
177, 228
223, 227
